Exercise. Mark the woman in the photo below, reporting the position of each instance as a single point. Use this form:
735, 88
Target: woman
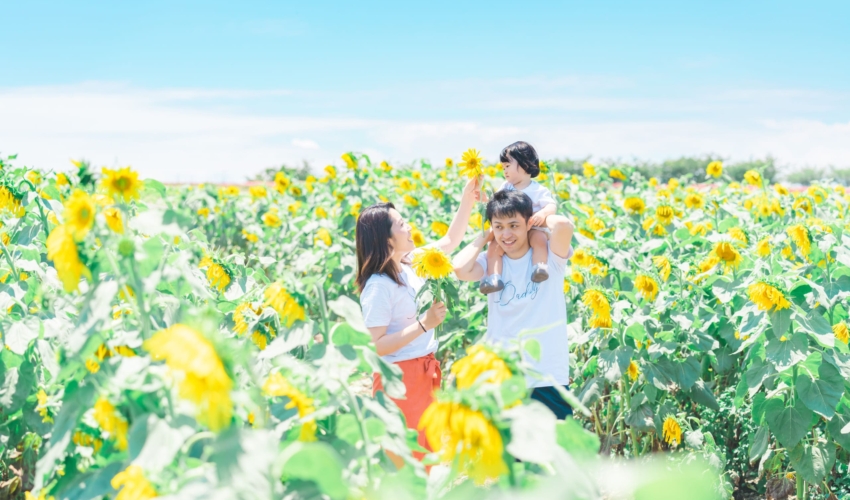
388, 287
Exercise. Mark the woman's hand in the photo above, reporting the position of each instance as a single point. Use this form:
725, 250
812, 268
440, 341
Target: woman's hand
471, 189
434, 315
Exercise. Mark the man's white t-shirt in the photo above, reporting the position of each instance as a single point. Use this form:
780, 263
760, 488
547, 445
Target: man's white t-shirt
385, 303
525, 305
540, 196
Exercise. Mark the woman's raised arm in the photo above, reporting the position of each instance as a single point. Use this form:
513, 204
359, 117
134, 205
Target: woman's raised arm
460, 222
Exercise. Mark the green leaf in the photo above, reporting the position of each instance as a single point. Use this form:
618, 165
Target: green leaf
813, 463
350, 311
576, 440
513, 390
316, 462
76, 401
156, 186
17, 385
532, 347
151, 257
781, 321
818, 327
345, 334
837, 425
390, 372
613, 364
786, 354
21, 333
822, 393
788, 423
759, 443
348, 429
702, 395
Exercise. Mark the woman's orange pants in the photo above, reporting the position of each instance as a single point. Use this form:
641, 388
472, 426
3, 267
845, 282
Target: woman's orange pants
421, 377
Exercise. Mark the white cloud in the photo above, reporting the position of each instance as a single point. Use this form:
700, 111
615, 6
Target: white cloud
177, 135
305, 144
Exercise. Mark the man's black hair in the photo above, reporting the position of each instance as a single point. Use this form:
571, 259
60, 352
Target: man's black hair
507, 203
525, 156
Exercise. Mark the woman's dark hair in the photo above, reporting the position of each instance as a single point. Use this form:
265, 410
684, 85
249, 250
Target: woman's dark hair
372, 237
505, 203
525, 156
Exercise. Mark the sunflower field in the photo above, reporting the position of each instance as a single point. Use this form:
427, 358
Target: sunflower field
206, 341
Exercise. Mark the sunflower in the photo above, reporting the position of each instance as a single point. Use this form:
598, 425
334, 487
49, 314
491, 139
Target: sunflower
671, 431
239, 320
123, 183
112, 422
410, 200
634, 205
281, 182
479, 360
432, 263
217, 275
471, 164
279, 299
726, 252
417, 237
271, 218
694, 201
763, 247
113, 219
616, 173
276, 386
662, 264
456, 431
62, 250
781, 190
841, 332
439, 228
321, 213
249, 236
601, 307
350, 161
132, 484
767, 297
324, 236
258, 192
753, 178
714, 169
803, 204
647, 286
633, 371
738, 234
665, 214
79, 214
205, 381
801, 237
10, 202
588, 169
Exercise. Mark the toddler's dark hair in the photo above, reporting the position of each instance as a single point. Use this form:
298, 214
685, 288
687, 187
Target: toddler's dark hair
506, 203
525, 156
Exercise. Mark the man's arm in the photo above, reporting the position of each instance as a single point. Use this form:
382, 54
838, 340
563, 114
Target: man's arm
562, 234
466, 268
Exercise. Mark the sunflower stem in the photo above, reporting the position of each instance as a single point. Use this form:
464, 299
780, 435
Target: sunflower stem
10, 261
359, 415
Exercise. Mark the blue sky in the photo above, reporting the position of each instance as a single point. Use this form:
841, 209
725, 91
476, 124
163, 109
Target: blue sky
215, 90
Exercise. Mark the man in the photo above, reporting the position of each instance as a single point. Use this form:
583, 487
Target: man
524, 304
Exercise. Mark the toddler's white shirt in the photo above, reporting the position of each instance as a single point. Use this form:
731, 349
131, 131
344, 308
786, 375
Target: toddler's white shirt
540, 196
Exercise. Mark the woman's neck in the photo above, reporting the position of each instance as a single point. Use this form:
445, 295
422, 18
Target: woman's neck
524, 183
397, 258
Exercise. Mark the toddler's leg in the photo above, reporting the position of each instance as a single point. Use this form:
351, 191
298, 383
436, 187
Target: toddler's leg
493, 281
539, 255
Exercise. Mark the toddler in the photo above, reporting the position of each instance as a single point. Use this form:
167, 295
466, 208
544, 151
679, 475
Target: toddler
520, 165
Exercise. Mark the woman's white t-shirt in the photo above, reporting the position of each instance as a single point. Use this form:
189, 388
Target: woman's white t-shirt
525, 305
385, 303
540, 196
